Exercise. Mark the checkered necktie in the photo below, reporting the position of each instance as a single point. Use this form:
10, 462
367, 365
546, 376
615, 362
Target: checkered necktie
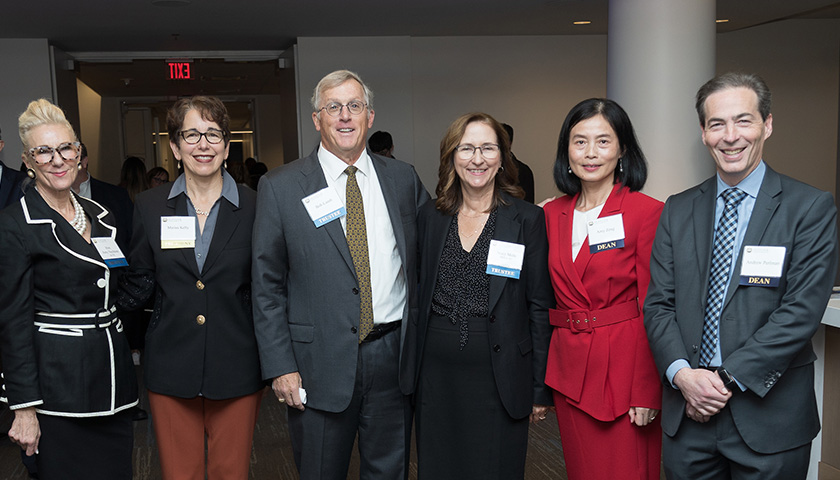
719, 273
357, 241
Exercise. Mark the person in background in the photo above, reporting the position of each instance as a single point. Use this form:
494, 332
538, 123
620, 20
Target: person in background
334, 293
191, 252
133, 176
67, 375
483, 331
733, 345
10, 180
606, 388
381, 143
526, 176
157, 176
236, 169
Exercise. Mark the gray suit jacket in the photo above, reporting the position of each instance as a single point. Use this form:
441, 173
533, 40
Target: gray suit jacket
765, 332
306, 297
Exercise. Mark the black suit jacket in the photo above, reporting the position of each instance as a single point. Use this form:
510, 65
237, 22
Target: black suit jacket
10, 190
765, 332
518, 323
201, 333
54, 282
117, 201
306, 297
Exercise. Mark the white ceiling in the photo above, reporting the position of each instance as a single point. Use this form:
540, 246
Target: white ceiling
90, 29
140, 25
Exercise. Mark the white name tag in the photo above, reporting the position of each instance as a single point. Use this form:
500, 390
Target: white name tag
324, 206
762, 266
177, 232
109, 251
505, 259
606, 233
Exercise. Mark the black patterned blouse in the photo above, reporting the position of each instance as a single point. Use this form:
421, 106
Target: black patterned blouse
462, 287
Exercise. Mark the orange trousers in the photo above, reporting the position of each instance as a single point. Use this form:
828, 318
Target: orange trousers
181, 425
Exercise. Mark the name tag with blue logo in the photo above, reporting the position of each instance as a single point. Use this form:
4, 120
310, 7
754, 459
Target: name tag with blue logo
324, 206
762, 266
606, 233
109, 251
505, 259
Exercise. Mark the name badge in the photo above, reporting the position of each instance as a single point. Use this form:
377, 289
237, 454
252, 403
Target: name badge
762, 266
324, 206
109, 251
177, 232
505, 259
606, 233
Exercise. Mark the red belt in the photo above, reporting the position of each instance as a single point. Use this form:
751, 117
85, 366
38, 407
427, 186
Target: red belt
579, 321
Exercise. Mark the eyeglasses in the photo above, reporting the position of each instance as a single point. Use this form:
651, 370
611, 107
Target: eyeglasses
490, 151
67, 151
334, 108
193, 136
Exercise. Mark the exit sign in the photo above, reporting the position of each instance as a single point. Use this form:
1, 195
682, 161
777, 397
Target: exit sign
179, 70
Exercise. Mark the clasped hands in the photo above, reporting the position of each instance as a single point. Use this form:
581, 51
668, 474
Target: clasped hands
704, 393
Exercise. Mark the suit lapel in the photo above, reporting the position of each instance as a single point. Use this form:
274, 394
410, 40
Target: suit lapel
388, 185
507, 230
765, 206
313, 180
704, 237
178, 207
611, 207
576, 288
435, 239
226, 224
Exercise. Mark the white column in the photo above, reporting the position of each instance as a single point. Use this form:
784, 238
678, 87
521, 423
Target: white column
659, 52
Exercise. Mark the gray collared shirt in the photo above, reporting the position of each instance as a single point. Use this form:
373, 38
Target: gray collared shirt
203, 239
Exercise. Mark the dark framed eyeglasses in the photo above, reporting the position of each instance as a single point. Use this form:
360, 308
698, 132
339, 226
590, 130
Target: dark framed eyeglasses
193, 136
355, 107
44, 154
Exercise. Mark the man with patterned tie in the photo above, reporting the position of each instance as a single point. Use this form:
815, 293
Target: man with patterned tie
334, 289
741, 271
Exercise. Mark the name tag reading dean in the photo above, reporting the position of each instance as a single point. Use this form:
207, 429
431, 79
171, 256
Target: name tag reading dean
177, 232
109, 251
606, 233
324, 206
505, 259
762, 266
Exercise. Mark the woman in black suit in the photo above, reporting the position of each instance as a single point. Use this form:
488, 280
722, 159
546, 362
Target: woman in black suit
68, 374
483, 332
191, 250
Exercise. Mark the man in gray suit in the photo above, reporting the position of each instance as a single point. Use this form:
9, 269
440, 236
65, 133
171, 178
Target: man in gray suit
334, 288
741, 271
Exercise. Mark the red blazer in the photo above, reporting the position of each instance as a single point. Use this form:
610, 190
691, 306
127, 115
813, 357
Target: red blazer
609, 368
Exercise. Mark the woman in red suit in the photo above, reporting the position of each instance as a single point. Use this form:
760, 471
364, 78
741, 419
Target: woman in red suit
606, 387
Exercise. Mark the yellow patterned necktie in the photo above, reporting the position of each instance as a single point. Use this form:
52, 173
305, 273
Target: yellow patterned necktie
357, 241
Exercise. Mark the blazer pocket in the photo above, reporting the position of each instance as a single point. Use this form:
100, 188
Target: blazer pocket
525, 346
302, 333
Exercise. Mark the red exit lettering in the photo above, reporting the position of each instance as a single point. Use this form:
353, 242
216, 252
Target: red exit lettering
179, 71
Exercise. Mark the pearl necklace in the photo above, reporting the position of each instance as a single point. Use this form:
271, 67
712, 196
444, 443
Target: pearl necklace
200, 212
79, 222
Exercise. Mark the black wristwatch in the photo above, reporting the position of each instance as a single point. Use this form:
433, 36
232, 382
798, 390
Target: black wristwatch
727, 378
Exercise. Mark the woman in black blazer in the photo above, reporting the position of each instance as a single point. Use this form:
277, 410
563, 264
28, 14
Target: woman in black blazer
191, 250
483, 329
68, 375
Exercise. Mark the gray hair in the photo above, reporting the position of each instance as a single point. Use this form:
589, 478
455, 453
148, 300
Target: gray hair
335, 79
734, 80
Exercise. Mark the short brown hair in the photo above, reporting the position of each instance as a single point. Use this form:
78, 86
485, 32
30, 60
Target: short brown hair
211, 109
449, 185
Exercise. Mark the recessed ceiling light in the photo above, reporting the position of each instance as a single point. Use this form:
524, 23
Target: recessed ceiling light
582, 22
171, 3
722, 20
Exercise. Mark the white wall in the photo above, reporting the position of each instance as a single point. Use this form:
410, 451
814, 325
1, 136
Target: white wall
421, 84
90, 104
799, 61
25, 77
